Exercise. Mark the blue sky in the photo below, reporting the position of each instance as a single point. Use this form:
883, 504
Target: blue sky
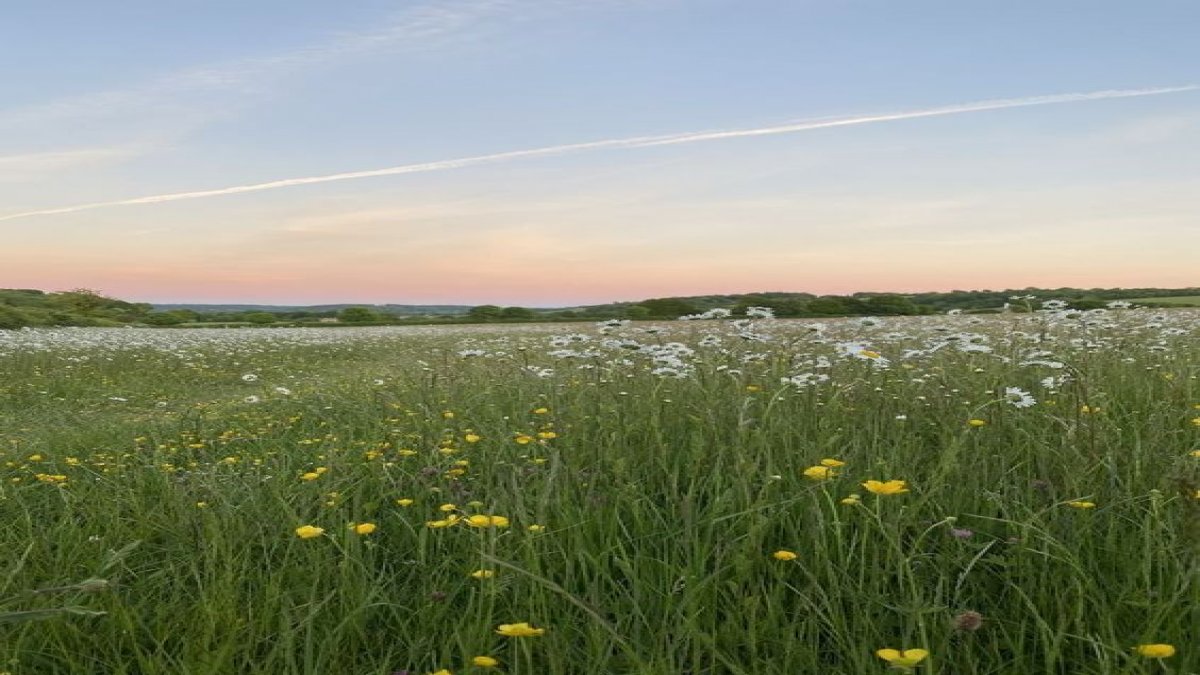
122, 100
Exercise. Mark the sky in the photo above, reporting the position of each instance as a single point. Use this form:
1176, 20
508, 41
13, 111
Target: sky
563, 152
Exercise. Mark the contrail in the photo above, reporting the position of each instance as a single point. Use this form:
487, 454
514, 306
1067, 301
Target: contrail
631, 142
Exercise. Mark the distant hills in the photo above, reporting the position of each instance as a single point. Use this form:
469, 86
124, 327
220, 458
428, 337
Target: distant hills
82, 307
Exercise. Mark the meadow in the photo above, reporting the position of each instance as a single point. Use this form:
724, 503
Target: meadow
962, 495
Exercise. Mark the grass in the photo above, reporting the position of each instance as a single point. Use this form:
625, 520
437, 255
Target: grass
655, 502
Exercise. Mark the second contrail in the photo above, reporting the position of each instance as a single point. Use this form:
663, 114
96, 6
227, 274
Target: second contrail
632, 142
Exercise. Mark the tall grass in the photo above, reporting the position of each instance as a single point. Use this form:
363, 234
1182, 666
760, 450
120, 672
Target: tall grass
656, 502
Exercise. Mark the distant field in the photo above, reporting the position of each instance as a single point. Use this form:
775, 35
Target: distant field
1001, 494
1173, 300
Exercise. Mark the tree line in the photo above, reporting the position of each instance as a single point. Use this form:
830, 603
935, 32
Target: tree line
20, 308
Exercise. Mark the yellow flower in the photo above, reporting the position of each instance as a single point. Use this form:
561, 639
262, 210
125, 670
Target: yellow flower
891, 487
1088, 409
311, 475
472, 438
483, 574
753, 388
1196, 454
484, 662
976, 422
443, 671
448, 522
202, 505
309, 531
819, 472
902, 659
1196, 421
1081, 505
484, 520
363, 528
404, 502
523, 439
536, 528
784, 555
448, 414
832, 462
852, 500
540, 411
1156, 651
522, 629
447, 508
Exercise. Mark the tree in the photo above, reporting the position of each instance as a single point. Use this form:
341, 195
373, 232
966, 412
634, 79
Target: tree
262, 318
671, 308
81, 300
829, 305
485, 313
163, 319
357, 315
522, 313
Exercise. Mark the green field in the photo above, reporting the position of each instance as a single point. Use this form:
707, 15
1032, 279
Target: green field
683, 498
1189, 300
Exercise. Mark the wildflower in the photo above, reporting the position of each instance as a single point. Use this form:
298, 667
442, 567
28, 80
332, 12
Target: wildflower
443, 671
522, 629
968, 621
448, 522
976, 422
404, 502
1018, 398
523, 439
484, 661
202, 505
1196, 454
446, 508
852, 500
784, 555
1081, 505
891, 487
448, 414
540, 411
819, 472
472, 438
752, 388
249, 377
311, 475
363, 528
1196, 421
832, 462
1156, 651
536, 528
483, 574
902, 659
481, 520
309, 531
1088, 409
